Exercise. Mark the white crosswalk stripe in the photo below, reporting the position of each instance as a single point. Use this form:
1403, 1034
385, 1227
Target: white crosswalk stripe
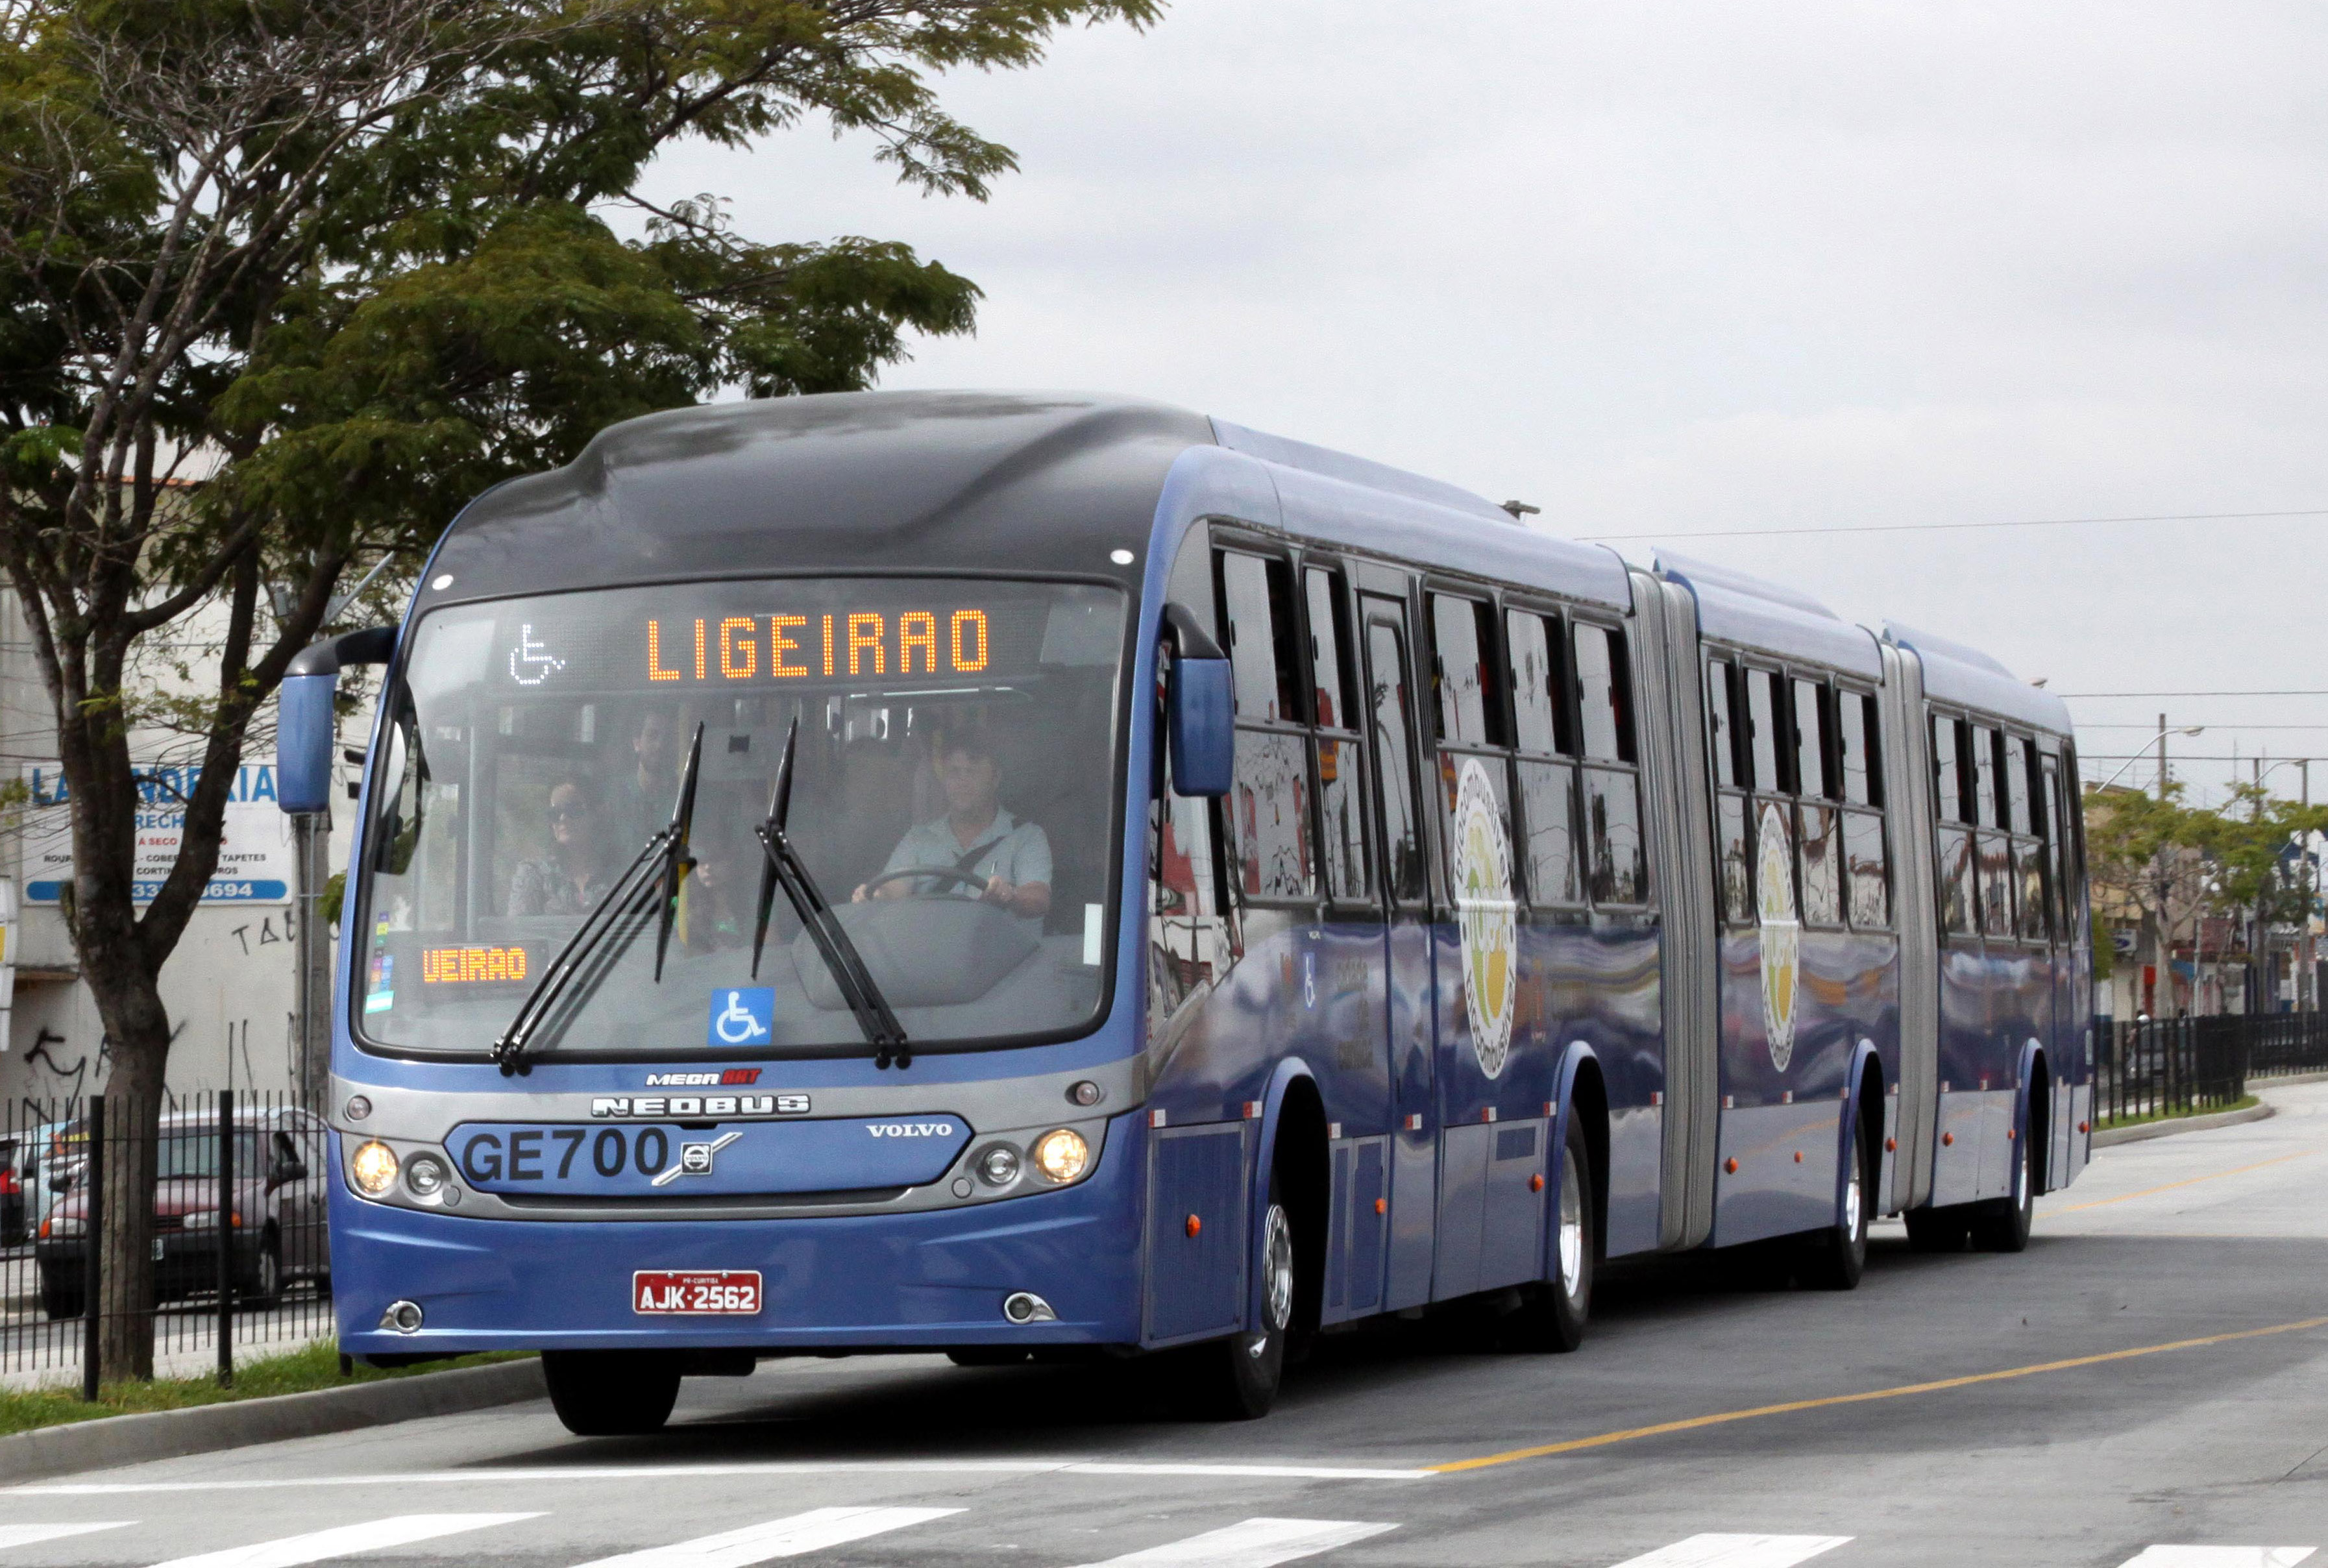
1737, 1552
786, 1538
1254, 1544
2219, 1557
345, 1540
33, 1534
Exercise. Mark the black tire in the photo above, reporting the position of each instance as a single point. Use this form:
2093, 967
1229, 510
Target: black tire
2002, 1225
611, 1393
1839, 1257
264, 1289
1937, 1230
1553, 1312
988, 1356
61, 1300
1237, 1378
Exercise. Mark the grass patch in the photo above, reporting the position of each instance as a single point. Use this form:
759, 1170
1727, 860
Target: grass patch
297, 1371
2242, 1103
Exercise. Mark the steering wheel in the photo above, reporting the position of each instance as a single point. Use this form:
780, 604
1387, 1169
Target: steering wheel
946, 873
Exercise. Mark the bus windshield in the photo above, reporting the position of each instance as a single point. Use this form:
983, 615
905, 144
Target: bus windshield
953, 780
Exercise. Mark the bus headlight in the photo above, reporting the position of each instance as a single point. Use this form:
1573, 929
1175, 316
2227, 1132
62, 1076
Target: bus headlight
1062, 1155
374, 1168
999, 1165
425, 1176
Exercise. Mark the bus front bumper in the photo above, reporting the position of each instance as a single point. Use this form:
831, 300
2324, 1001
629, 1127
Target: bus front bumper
904, 1282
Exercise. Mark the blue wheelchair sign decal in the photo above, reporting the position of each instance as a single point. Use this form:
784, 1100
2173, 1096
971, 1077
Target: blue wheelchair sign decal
742, 1015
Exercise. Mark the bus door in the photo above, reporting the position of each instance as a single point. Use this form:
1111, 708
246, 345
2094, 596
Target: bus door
1406, 886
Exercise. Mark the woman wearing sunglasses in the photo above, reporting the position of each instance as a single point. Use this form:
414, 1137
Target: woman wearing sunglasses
574, 876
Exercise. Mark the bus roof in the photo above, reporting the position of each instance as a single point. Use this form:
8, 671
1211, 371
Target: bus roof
1735, 607
946, 482
1968, 678
835, 482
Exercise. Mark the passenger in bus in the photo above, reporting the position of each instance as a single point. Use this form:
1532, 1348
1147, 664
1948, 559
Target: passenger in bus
1012, 859
575, 873
639, 802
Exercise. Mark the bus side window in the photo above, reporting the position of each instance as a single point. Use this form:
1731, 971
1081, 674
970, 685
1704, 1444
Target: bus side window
1341, 794
1257, 599
1470, 701
1734, 846
2033, 901
1765, 706
1947, 792
1819, 832
1617, 857
2059, 835
1269, 809
1994, 853
1404, 874
1189, 944
1866, 865
1547, 779
1856, 718
1473, 726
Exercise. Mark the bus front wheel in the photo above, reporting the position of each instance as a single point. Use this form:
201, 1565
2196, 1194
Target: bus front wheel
611, 1393
1241, 1374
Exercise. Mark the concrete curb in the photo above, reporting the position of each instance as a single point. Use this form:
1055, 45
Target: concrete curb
108, 1442
2149, 1130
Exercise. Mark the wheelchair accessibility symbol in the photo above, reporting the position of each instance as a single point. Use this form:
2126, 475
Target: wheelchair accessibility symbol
744, 1016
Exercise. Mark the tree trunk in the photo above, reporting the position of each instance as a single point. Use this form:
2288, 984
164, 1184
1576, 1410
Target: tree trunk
130, 1005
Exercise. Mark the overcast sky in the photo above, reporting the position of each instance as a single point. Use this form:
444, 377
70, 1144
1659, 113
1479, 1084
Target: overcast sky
1670, 269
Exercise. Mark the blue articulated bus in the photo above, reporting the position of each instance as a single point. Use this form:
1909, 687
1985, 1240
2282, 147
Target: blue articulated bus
1044, 877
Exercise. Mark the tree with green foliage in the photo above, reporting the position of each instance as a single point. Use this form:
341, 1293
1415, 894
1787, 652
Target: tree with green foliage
2165, 866
286, 282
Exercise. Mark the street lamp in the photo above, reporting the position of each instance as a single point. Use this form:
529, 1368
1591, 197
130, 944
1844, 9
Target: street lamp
2139, 755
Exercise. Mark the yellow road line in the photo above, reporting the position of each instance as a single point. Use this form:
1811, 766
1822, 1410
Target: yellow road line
2189, 1182
1604, 1440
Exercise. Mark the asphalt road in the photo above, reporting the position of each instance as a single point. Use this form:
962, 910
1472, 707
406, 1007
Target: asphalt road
2149, 1379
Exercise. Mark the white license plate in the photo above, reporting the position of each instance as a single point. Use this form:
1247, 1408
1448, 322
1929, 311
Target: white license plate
721, 1292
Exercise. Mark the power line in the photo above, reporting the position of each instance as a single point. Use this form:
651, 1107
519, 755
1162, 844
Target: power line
2249, 693
2219, 725
1943, 527
2192, 757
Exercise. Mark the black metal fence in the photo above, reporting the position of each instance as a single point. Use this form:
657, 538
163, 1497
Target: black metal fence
2176, 1066
235, 1248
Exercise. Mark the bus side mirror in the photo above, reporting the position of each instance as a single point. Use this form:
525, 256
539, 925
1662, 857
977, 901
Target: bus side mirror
304, 728
1203, 714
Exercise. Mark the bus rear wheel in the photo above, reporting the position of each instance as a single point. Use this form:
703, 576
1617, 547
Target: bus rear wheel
2002, 1224
1936, 1230
611, 1393
1553, 1312
1840, 1256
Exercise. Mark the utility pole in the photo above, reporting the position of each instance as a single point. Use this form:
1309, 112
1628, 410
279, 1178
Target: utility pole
2262, 979
2305, 980
2162, 759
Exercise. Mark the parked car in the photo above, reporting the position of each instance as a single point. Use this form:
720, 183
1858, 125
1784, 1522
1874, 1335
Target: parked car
277, 1215
14, 1223
45, 1159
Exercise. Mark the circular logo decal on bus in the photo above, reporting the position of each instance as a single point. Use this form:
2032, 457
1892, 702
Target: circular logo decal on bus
1486, 914
1781, 932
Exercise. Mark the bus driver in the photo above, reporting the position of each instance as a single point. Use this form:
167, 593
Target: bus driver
976, 836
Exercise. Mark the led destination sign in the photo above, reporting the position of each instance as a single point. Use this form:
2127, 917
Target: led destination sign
767, 636
858, 643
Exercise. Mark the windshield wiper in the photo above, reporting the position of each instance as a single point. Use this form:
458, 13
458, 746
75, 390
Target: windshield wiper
663, 859
787, 869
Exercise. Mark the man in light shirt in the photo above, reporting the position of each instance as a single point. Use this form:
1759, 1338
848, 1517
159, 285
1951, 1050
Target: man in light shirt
976, 836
